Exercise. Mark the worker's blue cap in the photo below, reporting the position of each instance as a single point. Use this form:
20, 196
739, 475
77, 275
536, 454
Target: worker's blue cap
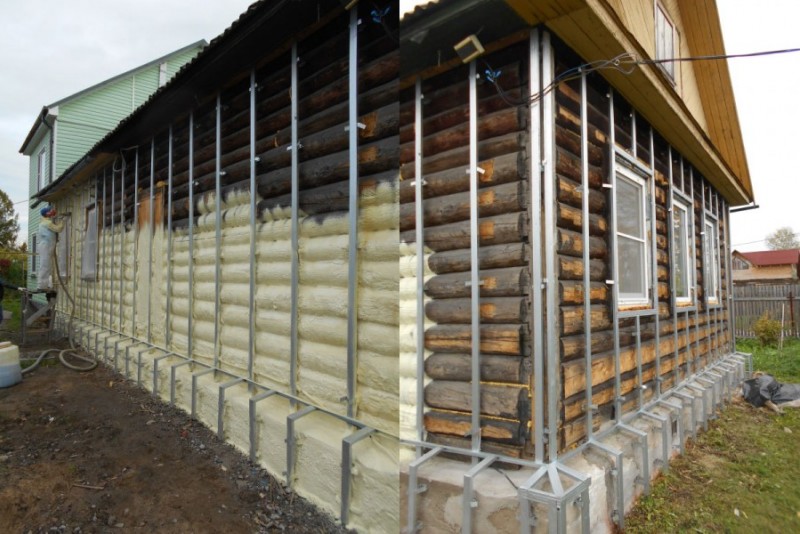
45, 210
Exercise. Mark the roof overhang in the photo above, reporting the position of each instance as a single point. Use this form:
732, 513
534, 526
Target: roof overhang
594, 30
44, 122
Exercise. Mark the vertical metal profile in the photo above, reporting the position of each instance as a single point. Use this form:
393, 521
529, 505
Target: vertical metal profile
673, 301
217, 225
420, 251
189, 331
167, 326
654, 267
134, 285
151, 236
113, 246
295, 230
251, 345
613, 256
639, 383
548, 177
352, 249
535, 246
97, 279
122, 240
705, 269
587, 290
729, 279
475, 295
102, 213
634, 133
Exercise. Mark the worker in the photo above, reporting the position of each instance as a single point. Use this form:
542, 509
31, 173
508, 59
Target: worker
49, 228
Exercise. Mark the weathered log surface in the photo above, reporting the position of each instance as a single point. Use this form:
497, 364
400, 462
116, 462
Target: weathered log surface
500, 229
509, 401
496, 310
460, 425
502, 339
494, 368
508, 282
489, 257
459, 157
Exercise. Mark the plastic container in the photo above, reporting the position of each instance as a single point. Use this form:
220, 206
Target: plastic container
10, 370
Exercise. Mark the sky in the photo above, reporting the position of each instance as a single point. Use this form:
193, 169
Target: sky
50, 49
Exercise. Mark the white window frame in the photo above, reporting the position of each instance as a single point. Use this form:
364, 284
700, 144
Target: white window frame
666, 37
711, 260
680, 205
41, 168
89, 252
34, 246
644, 297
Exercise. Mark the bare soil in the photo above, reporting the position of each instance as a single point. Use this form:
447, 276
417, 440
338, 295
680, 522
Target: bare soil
92, 452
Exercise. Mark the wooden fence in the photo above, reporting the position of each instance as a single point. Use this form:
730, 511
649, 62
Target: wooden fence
779, 300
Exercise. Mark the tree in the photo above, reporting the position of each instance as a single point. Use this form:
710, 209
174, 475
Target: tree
8, 223
782, 239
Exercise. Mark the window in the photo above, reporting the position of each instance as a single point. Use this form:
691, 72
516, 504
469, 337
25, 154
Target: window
89, 257
665, 41
711, 260
740, 265
41, 168
682, 251
33, 254
632, 238
62, 250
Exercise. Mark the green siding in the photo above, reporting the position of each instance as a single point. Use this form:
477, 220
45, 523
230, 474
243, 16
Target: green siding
146, 84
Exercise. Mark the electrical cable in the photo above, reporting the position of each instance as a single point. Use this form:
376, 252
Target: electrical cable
73, 351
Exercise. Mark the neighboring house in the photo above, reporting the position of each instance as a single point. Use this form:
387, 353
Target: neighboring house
67, 128
766, 267
572, 213
234, 243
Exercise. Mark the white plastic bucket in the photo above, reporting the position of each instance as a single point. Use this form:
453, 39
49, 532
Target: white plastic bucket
10, 370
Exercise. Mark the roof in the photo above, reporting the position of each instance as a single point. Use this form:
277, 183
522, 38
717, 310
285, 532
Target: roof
766, 258
45, 109
264, 23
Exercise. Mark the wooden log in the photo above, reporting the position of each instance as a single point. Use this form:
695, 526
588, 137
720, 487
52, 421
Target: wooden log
571, 218
448, 366
570, 167
508, 401
456, 424
572, 269
569, 193
571, 293
503, 339
494, 310
507, 282
572, 319
512, 451
502, 169
569, 99
500, 229
490, 257
497, 124
504, 198
574, 346
570, 141
571, 244
459, 157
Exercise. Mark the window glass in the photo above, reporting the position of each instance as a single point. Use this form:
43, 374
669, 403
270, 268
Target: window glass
631, 273
632, 238
665, 41
629, 209
681, 279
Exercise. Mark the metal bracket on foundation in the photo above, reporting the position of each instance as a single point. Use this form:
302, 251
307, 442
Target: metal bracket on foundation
172, 370
347, 468
534, 490
415, 489
679, 421
684, 396
156, 360
468, 502
128, 357
666, 436
618, 514
253, 422
290, 440
195, 376
221, 405
642, 436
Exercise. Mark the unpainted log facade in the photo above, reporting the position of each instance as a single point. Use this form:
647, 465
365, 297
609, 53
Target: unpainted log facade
636, 352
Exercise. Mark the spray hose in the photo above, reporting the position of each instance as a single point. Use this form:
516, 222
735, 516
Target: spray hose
73, 351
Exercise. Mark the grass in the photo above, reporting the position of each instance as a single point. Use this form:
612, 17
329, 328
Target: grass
12, 303
742, 475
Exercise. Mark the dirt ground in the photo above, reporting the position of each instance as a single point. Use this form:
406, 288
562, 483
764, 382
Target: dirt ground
91, 452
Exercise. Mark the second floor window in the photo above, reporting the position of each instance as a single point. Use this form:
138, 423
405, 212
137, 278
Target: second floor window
665, 41
41, 168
